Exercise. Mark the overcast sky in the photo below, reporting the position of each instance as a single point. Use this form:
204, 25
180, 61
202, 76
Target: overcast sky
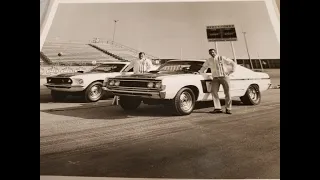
162, 29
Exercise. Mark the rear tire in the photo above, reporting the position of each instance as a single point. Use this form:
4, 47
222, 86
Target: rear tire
252, 96
129, 103
94, 92
58, 96
183, 103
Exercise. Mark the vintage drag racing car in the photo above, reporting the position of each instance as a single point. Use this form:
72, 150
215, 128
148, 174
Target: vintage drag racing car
176, 85
86, 84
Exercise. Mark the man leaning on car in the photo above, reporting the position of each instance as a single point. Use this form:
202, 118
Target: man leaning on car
221, 67
143, 65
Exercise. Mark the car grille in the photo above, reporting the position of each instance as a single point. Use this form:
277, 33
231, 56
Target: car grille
60, 81
133, 84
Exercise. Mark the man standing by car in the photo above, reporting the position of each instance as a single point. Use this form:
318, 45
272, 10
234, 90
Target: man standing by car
221, 67
143, 65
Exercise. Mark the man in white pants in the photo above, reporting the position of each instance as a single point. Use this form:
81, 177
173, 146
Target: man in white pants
221, 67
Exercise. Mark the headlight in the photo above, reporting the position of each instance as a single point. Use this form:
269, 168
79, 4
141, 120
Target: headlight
117, 83
78, 81
150, 85
111, 83
49, 80
157, 85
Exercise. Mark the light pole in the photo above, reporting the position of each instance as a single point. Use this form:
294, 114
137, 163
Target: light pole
260, 62
114, 29
245, 39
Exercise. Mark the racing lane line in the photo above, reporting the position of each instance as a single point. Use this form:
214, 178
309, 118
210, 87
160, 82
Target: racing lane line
94, 125
149, 122
128, 140
95, 131
104, 147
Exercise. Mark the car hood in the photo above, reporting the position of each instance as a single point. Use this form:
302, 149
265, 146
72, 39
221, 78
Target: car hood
84, 75
154, 76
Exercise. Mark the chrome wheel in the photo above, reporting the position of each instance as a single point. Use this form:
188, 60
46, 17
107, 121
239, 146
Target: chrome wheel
186, 102
95, 92
253, 94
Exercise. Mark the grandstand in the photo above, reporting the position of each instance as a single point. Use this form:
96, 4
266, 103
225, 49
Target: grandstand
64, 52
118, 50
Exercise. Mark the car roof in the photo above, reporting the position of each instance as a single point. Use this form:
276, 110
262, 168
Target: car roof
196, 60
115, 62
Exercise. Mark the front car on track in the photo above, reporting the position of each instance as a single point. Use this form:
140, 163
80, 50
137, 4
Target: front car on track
176, 85
86, 84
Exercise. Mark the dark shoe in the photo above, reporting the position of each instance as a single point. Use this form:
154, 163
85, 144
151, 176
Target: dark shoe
216, 111
228, 111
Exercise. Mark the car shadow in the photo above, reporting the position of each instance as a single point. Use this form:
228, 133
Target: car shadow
46, 98
208, 104
110, 112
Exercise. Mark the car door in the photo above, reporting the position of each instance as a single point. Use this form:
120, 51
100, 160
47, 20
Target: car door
233, 84
241, 79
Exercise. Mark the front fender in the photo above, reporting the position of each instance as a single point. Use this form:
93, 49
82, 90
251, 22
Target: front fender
175, 84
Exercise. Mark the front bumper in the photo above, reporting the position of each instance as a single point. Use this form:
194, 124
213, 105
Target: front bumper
65, 87
137, 93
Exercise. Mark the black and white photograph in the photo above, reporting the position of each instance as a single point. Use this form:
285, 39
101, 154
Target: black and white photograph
173, 90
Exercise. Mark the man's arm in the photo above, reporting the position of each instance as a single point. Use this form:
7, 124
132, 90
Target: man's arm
230, 62
204, 66
149, 65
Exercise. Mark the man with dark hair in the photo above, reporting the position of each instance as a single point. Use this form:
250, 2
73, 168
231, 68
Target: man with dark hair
221, 67
142, 65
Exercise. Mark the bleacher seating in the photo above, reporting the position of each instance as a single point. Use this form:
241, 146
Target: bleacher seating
74, 52
119, 50
63, 51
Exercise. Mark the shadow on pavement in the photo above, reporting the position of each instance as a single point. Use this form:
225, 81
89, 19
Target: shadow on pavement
46, 98
196, 156
107, 111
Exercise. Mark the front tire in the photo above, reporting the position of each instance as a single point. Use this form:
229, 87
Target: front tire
252, 96
129, 103
58, 96
93, 92
183, 103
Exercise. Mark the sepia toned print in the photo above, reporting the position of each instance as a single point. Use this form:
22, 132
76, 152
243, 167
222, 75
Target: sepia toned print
187, 90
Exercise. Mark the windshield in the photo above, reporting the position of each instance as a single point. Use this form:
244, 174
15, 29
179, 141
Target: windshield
181, 66
108, 68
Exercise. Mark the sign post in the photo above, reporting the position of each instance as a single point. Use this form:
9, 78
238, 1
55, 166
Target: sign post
222, 33
216, 46
260, 62
234, 53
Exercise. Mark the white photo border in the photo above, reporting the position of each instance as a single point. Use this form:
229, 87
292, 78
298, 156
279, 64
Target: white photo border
271, 6
48, 16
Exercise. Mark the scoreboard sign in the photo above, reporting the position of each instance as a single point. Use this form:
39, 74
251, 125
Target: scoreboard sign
221, 33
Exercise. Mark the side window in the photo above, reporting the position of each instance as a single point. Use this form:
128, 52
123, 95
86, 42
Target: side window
131, 70
208, 70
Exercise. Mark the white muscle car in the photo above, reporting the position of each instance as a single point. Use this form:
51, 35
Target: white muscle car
86, 84
176, 85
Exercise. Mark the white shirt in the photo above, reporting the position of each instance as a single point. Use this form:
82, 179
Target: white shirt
220, 66
141, 65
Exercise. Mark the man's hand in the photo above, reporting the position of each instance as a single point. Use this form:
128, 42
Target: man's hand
228, 74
